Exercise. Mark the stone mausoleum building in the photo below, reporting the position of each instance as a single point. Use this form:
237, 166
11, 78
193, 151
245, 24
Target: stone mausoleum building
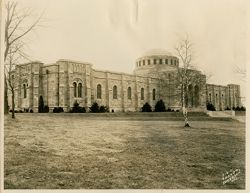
156, 76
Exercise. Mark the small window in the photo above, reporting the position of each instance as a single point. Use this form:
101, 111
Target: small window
115, 92
160, 61
148, 62
166, 61
153, 94
210, 98
142, 93
99, 91
129, 93
139, 63
154, 61
174, 62
143, 62
171, 62
74, 85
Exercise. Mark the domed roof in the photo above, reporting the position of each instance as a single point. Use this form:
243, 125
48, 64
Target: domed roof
157, 52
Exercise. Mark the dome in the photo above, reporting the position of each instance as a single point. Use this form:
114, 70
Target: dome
157, 52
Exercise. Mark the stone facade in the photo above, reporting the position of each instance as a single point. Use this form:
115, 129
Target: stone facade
155, 77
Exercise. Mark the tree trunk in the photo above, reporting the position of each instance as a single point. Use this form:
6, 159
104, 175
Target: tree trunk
184, 109
6, 106
13, 103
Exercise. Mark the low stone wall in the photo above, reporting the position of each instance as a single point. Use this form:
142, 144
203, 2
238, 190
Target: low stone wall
221, 113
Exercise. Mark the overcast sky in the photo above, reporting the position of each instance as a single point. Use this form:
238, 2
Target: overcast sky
111, 34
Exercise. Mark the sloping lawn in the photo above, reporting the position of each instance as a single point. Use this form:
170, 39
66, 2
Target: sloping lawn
65, 151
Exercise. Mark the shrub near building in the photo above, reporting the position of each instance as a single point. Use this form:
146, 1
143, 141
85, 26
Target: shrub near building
160, 106
95, 108
146, 108
210, 107
77, 108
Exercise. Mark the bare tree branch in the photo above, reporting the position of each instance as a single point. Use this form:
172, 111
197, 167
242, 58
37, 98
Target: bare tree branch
16, 29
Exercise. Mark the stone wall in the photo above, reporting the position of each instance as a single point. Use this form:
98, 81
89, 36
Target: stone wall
61, 83
223, 97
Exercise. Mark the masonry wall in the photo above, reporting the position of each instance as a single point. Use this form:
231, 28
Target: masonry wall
55, 83
223, 97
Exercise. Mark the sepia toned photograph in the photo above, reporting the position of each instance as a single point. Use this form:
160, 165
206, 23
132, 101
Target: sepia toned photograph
124, 94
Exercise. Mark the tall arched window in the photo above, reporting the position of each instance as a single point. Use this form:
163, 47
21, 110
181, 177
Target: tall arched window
24, 91
129, 93
99, 91
153, 94
115, 92
142, 93
74, 84
80, 90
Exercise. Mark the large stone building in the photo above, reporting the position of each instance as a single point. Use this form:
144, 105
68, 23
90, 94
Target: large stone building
156, 76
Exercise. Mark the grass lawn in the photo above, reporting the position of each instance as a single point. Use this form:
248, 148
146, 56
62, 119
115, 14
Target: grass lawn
63, 151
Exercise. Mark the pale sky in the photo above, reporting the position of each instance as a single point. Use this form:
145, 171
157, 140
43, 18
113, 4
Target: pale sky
111, 34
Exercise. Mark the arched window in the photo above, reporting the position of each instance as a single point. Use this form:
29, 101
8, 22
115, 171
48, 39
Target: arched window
99, 91
24, 91
74, 84
142, 93
129, 93
153, 94
115, 92
80, 90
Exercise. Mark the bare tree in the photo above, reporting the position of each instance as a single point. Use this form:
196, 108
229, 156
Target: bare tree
184, 51
16, 29
241, 71
12, 59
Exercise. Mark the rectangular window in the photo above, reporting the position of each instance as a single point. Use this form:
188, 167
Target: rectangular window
148, 62
166, 61
160, 61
